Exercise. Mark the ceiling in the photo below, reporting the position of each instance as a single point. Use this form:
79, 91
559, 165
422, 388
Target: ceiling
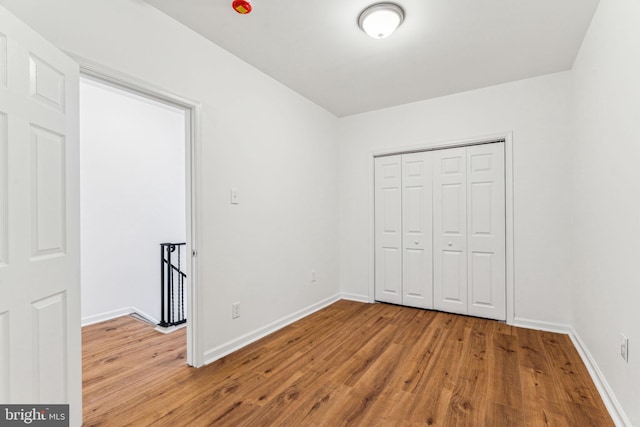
443, 46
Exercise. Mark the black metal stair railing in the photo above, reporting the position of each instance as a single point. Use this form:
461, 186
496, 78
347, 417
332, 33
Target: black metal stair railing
173, 308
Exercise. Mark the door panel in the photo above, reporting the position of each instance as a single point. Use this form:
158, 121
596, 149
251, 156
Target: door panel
413, 273
486, 222
49, 350
453, 209
48, 228
449, 230
391, 283
4, 169
4, 356
388, 229
480, 278
481, 208
3, 60
417, 230
453, 274
40, 348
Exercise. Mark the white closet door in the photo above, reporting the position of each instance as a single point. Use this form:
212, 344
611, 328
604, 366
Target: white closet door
450, 230
417, 288
388, 229
40, 347
486, 229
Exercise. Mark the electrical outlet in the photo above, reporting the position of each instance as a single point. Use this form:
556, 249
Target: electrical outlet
235, 310
313, 276
624, 348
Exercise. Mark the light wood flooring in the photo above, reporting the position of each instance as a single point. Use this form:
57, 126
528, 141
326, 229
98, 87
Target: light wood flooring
348, 364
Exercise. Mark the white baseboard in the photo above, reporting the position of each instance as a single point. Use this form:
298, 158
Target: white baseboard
169, 329
542, 326
108, 315
355, 297
229, 347
608, 397
148, 317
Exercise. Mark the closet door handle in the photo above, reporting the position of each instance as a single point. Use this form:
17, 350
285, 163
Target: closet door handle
450, 244
415, 242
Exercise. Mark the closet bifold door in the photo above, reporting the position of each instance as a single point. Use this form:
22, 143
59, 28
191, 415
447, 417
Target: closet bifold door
486, 231
388, 229
417, 290
450, 230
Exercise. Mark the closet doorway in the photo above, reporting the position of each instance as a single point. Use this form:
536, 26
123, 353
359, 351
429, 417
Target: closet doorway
440, 220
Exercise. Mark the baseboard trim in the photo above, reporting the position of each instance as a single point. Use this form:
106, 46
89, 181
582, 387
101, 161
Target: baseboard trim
229, 347
170, 329
606, 394
108, 315
608, 397
147, 317
355, 297
558, 328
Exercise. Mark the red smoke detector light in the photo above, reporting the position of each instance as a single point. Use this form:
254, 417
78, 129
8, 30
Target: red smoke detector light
241, 6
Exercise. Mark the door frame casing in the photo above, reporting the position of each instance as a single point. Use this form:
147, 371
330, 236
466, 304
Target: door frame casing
507, 137
193, 146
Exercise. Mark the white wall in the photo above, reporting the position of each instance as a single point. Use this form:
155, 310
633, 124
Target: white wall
606, 207
132, 198
536, 110
276, 147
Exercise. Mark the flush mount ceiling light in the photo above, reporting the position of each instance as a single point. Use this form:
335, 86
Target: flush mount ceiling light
381, 19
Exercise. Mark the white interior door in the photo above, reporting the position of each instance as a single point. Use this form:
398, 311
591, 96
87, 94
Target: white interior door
40, 353
417, 288
450, 230
486, 231
388, 229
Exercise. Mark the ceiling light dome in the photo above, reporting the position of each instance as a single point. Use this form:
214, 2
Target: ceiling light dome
381, 19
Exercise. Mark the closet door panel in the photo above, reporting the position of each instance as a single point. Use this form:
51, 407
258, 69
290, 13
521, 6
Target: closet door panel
486, 226
417, 230
450, 230
388, 229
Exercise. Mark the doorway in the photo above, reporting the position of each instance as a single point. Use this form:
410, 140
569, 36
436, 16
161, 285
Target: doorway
507, 139
152, 171
440, 230
132, 199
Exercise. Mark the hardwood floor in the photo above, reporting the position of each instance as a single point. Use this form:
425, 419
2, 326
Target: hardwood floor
348, 364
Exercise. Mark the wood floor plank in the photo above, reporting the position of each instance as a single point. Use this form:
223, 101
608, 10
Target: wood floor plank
569, 369
349, 364
469, 399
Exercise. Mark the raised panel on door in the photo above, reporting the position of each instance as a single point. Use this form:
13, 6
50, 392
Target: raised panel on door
417, 285
48, 322
4, 190
3, 60
48, 193
40, 348
388, 229
449, 230
486, 231
4, 356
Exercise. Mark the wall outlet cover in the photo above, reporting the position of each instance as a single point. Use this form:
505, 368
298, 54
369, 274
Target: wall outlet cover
235, 310
624, 348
